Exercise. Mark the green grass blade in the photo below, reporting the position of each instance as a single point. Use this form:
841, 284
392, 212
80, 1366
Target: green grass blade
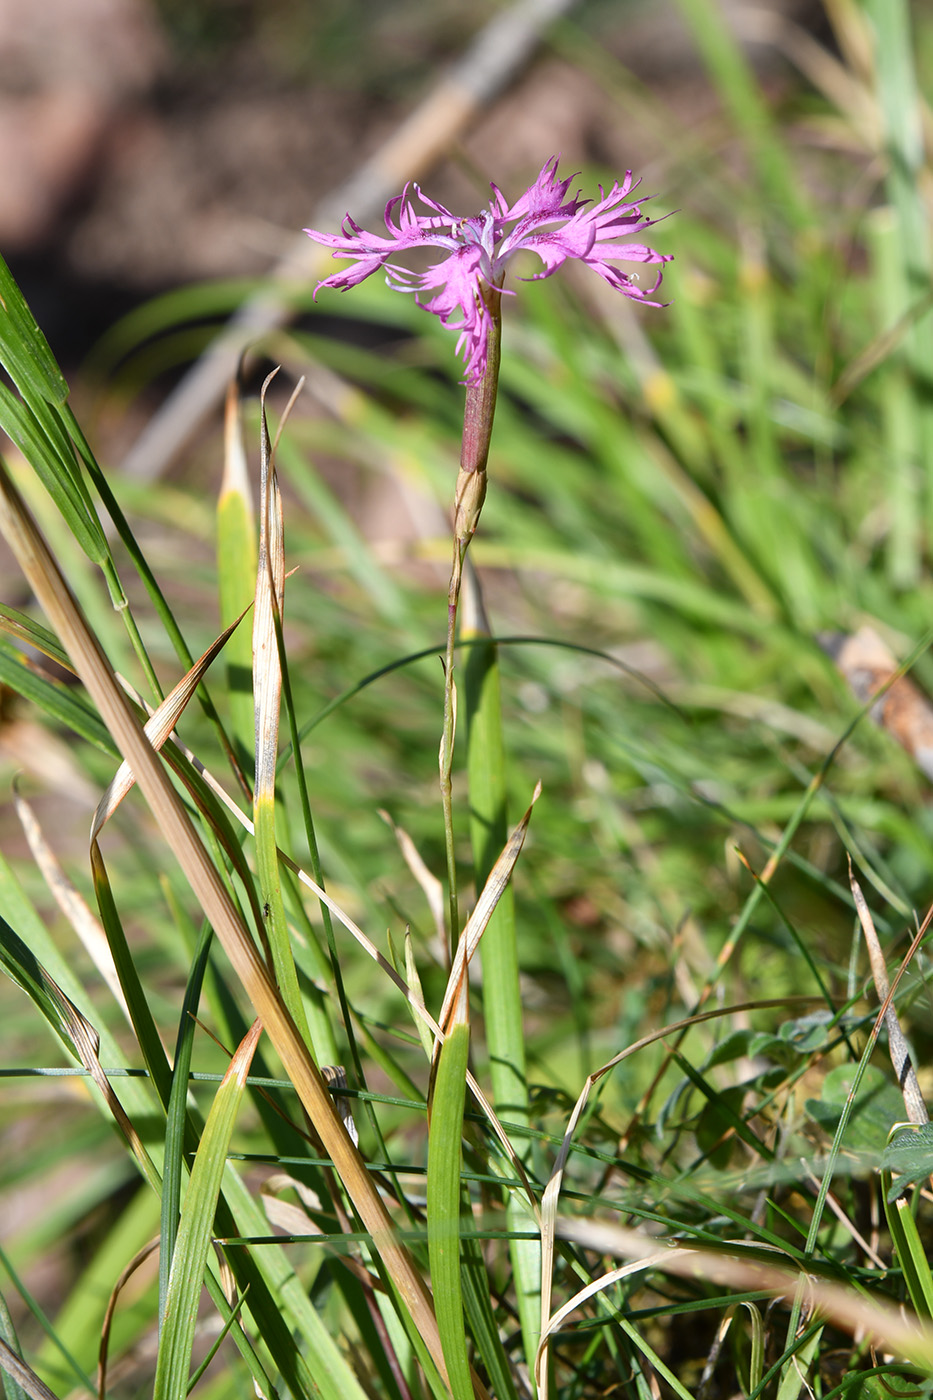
757, 1357
796, 1371
12, 1389
478, 1308
502, 999
24, 350
176, 1116
280, 1305
911, 1253
25, 629
194, 1234
443, 1192
137, 1002
267, 692
902, 116
900, 454
74, 1373
906, 1239
49, 454
61, 703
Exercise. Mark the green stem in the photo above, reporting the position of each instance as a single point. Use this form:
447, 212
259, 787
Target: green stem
478, 413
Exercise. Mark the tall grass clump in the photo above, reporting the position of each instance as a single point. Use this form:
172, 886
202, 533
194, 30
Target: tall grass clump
527, 998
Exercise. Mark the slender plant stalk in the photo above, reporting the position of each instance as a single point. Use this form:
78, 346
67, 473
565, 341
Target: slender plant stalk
479, 411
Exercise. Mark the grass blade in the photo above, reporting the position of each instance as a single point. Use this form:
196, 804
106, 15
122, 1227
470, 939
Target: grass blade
444, 1135
502, 1000
236, 574
206, 881
194, 1234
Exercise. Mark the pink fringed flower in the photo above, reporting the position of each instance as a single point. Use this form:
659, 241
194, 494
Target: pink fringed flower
545, 221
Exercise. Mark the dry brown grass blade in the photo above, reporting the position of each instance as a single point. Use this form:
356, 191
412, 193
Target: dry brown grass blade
874, 673
844, 87
267, 614
740, 1268
24, 1376
86, 1044
69, 900
67, 620
476, 924
159, 726
413, 997
899, 1050
431, 887
126, 1274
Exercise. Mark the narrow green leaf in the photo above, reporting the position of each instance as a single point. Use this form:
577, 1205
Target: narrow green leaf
756, 1360
136, 1000
13, 1390
901, 111
911, 1253
443, 1191
24, 350
60, 702
267, 692
176, 1117
478, 1308
194, 1235
50, 455
795, 1374
909, 1151
502, 999
27, 630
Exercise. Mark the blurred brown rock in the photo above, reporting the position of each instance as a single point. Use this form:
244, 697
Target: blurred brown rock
903, 710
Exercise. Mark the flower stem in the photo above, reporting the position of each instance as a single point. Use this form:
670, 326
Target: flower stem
479, 411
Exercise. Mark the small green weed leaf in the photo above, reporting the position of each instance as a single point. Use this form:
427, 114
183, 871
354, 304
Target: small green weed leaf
910, 1153
733, 1047
878, 1105
794, 1039
807, 1033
